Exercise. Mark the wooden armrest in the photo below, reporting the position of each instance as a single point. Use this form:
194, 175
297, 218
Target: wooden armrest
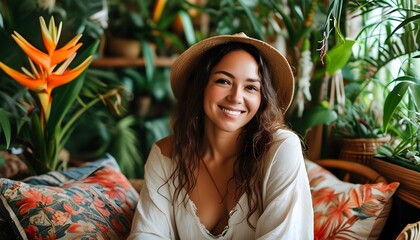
137, 184
351, 168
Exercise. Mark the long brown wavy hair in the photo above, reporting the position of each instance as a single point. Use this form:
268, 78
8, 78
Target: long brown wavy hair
257, 137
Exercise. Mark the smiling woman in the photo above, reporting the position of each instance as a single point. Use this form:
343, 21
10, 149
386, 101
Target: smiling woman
231, 169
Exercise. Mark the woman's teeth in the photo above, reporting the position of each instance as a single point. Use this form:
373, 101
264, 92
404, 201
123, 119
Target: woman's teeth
231, 112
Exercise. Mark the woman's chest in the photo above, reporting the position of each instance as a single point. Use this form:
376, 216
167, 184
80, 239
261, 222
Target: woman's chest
189, 224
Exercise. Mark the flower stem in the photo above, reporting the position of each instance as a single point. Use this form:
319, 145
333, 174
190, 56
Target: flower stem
84, 109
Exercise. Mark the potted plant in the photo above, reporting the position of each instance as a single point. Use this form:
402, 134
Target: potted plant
358, 131
148, 25
358, 126
385, 33
390, 55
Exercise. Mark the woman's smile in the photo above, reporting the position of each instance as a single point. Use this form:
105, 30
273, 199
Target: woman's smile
232, 112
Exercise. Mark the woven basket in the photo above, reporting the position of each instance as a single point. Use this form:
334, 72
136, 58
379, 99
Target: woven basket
360, 150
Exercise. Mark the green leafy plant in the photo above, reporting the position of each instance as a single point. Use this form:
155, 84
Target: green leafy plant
358, 121
151, 23
399, 42
87, 17
329, 109
101, 131
78, 16
402, 120
55, 79
233, 16
386, 61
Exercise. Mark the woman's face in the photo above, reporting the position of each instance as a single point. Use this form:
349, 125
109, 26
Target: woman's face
233, 93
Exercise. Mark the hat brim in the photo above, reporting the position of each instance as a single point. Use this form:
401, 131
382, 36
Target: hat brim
282, 75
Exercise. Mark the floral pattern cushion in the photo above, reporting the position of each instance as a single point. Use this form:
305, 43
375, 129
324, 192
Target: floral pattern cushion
95, 201
345, 210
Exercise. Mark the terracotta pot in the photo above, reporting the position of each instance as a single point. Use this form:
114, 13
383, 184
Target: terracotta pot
143, 105
123, 47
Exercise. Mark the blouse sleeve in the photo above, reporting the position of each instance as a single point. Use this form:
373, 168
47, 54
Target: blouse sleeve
153, 218
287, 203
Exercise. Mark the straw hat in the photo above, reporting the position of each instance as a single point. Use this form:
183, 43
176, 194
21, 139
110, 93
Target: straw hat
281, 72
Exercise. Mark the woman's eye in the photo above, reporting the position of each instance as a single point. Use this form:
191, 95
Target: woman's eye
222, 81
252, 88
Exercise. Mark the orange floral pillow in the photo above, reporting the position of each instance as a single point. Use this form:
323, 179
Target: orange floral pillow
94, 201
345, 210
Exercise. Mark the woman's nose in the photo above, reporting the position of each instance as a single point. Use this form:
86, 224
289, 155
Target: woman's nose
235, 95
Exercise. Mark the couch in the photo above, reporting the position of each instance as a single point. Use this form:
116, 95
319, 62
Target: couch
98, 202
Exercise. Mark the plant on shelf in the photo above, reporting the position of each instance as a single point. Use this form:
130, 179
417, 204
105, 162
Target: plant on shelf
149, 27
402, 120
150, 23
393, 57
385, 63
48, 111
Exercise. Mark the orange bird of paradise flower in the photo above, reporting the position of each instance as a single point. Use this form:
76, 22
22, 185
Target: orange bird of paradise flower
46, 73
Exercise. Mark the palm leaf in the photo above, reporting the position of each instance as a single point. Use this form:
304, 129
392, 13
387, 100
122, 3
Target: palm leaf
390, 50
394, 98
392, 44
405, 23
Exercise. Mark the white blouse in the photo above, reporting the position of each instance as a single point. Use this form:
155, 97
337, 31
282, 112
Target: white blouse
287, 206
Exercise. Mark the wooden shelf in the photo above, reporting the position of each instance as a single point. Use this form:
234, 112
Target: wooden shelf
409, 189
118, 62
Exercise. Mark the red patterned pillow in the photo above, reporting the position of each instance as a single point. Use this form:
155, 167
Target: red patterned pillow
100, 205
345, 210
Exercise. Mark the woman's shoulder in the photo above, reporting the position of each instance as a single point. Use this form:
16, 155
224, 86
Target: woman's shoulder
285, 134
159, 159
286, 142
286, 152
165, 146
